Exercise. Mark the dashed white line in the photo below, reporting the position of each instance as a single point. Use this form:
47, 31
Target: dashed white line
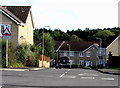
64, 73
87, 74
69, 77
87, 77
111, 79
68, 69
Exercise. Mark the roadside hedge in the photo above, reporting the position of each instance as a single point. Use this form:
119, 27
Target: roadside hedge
22, 56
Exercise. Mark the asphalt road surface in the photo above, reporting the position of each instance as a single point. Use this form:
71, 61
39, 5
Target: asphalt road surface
57, 77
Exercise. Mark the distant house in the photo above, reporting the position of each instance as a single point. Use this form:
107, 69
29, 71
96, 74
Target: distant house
21, 21
114, 47
113, 51
79, 52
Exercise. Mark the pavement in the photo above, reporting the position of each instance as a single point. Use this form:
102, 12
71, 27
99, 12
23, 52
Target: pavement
109, 71
21, 69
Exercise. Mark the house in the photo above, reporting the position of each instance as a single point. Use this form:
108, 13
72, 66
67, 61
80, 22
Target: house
113, 51
114, 47
79, 52
21, 21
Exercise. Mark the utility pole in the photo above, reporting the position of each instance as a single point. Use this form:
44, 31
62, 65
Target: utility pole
43, 48
100, 49
69, 53
43, 44
6, 52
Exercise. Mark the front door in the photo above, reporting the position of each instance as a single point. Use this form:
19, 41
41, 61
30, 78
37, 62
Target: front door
87, 63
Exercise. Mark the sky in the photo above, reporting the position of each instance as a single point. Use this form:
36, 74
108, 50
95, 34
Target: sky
71, 14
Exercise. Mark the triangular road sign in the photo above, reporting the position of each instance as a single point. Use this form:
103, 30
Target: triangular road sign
6, 30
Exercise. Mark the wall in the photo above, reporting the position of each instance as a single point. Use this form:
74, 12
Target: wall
26, 33
93, 58
113, 48
46, 61
14, 29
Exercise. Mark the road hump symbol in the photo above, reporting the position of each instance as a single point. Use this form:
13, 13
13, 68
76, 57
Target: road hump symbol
6, 30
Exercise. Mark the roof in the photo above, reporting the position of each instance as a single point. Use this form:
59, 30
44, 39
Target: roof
21, 12
108, 41
118, 38
74, 45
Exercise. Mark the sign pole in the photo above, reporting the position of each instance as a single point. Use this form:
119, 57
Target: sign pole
6, 33
6, 52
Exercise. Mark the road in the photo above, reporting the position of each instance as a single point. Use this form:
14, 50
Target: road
57, 77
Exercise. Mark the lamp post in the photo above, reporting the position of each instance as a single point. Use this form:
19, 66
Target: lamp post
58, 51
69, 53
100, 54
43, 41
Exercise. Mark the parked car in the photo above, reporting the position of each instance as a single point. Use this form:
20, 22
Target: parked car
64, 62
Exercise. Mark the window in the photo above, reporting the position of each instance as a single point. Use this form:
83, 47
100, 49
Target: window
65, 53
81, 62
71, 53
88, 54
87, 63
81, 54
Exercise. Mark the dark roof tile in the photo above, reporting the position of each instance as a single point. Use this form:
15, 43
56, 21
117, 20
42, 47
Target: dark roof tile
75, 45
19, 11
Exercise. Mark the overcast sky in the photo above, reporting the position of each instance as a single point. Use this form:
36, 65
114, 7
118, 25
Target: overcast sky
71, 14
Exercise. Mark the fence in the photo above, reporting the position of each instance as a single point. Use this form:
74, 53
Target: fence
44, 61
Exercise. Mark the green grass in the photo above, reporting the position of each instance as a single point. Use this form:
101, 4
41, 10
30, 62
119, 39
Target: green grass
116, 68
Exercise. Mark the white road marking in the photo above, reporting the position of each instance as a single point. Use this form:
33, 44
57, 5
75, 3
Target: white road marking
69, 76
111, 79
87, 74
68, 69
64, 73
87, 77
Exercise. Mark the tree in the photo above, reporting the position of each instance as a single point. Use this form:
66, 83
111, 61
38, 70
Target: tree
65, 37
48, 45
75, 38
104, 34
56, 35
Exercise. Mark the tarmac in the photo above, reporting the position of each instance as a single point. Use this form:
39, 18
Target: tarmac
107, 71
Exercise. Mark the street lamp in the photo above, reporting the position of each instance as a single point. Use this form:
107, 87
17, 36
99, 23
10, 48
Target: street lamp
58, 51
43, 41
100, 47
69, 53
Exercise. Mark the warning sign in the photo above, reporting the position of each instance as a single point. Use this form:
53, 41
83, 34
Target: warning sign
6, 29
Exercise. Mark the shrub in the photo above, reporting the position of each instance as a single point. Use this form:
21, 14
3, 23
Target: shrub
75, 65
12, 62
87, 67
27, 54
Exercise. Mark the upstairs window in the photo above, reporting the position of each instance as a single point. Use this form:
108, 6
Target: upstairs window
81, 54
88, 54
71, 53
65, 53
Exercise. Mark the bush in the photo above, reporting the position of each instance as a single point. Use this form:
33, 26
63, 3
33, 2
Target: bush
88, 67
81, 66
27, 54
12, 62
75, 65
